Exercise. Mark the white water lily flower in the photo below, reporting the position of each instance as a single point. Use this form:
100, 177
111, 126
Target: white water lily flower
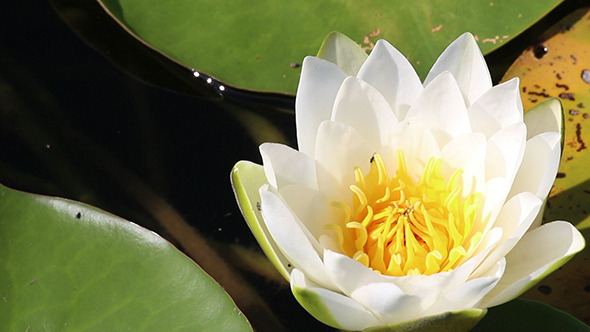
406, 199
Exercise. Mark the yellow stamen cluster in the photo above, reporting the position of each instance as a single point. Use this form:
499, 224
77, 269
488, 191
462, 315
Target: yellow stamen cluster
398, 227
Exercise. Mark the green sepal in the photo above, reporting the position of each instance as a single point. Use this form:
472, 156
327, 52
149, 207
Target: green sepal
246, 179
343, 51
544, 117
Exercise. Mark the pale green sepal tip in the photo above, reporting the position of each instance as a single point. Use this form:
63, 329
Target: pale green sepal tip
546, 116
246, 179
313, 303
343, 51
455, 321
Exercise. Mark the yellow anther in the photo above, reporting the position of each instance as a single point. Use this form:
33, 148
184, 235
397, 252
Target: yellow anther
404, 226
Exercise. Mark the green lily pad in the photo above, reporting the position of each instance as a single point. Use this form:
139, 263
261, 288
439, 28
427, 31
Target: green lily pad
525, 315
559, 66
258, 45
69, 266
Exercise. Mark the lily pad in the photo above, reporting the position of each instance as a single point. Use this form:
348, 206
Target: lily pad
559, 66
525, 315
69, 266
259, 45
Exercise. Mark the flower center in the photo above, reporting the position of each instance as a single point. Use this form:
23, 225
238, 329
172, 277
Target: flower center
399, 227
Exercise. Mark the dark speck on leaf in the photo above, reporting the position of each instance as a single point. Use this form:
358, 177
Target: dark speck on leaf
560, 175
539, 51
78, 215
574, 112
544, 289
569, 96
295, 65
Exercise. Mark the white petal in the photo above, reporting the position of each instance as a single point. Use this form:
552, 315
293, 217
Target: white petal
468, 153
339, 149
284, 165
540, 252
329, 307
388, 71
442, 109
468, 294
294, 241
505, 151
417, 143
344, 52
312, 208
545, 117
377, 292
465, 61
362, 107
501, 105
388, 302
515, 219
539, 165
495, 195
318, 85
482, 121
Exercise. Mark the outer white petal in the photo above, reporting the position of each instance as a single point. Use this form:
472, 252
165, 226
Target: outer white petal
505, 151
292, 238
539, 165
465, 61
442, 109
362, 107
312, 208
284, 165
344, 52
389, 71
469, 294
540, 252
318, 85
329, 307
388, 302
466, 152
515, 219
497, 108
339, 149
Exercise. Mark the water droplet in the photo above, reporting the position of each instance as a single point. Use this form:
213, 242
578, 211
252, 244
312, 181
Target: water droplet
539, 51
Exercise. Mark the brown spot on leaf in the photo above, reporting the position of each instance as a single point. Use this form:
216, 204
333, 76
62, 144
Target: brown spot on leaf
582, 145
563, 86
544, 289
568, 96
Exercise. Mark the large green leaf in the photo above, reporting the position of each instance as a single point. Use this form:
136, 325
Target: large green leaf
258, 45
68, 266
559, 67
524, 315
